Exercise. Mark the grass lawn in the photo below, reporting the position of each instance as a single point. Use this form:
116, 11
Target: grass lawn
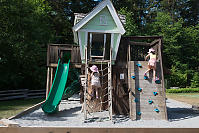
190, 98
13, 107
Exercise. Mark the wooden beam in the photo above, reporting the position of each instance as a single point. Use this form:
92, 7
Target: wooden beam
139, 43
154, 42
95, 130
26, 111
163, 87
142, 37
48, 82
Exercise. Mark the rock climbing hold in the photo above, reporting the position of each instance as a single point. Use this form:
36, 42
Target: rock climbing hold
145, 77
139, 65
150, 101
139, 89
157, 80
156, 110
155, 93
139, 113
133, 77
136, 100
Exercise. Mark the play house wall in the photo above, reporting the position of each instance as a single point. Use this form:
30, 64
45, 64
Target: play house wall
102, 23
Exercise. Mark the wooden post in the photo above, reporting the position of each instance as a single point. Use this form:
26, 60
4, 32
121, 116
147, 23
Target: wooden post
110, 85
48, 82
51, 77
86, 85
163, 87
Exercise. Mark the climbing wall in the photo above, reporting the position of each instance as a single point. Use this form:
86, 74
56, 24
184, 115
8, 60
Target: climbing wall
146, 97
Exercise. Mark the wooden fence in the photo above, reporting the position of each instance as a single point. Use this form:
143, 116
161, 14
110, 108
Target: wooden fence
21, 94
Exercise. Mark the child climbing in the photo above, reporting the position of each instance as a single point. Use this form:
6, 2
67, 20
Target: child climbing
152, 62
95, 80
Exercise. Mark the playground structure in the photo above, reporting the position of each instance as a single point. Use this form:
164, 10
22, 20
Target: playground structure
125, 89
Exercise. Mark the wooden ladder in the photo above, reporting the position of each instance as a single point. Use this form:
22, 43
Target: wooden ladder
108, 81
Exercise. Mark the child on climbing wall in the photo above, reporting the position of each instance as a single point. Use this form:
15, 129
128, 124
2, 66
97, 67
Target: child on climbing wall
95, 80
152, 62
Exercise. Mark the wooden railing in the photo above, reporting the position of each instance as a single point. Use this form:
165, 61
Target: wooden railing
21, 94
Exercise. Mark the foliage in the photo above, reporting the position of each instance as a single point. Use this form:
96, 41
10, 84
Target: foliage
183, 90
130, 26
24, 32
195, 80
181, 45
27, 26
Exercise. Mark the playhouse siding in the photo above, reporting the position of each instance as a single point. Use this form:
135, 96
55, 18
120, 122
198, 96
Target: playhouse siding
115, 45
82, 42
94, 26
94, 23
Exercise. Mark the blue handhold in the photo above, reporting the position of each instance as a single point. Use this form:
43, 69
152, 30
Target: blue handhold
133, 77
136, 100
139, 113
150, 101
139, 65
156, 110
155, 93
139, 89
145, 77
157, 81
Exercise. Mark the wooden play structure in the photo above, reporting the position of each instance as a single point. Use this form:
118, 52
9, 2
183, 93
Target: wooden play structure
55, 51
146, 96
120, 60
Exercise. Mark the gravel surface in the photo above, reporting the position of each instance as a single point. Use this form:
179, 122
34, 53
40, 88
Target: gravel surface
180, 115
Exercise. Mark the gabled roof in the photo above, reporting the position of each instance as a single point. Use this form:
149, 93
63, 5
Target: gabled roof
80, 16
96, 10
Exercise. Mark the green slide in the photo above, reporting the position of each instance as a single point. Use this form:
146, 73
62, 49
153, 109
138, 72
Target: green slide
57, 89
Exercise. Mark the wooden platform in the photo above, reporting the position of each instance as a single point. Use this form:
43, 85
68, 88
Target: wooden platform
139, 105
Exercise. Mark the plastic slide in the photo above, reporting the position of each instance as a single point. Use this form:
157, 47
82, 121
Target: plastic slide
57, 89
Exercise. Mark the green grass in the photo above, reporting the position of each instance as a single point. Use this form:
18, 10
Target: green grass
183, 90
190, 98
13, 107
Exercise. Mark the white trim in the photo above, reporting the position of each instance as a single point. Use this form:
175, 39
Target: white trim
80, 45
100, 31
117, 45
88, 17
96, 10
112, 40
86, 38
91, 35
86, 42
104, 45
116, 18
75, 37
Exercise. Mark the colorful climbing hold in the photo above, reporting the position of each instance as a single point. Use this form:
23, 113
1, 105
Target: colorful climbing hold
139, 89
133, 77
139, 113
136, 100
157, 80
150, 101
145, 77
156, 110
139, 65
155, 93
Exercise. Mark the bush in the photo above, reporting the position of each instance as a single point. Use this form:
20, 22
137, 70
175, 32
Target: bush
183, 90
195, 80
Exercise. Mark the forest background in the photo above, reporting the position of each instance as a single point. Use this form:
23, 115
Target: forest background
28, 26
